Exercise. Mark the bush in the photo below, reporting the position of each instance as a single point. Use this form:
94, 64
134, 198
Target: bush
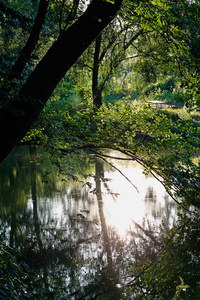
167, 85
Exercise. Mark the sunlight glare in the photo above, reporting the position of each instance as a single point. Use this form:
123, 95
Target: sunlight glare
129, 206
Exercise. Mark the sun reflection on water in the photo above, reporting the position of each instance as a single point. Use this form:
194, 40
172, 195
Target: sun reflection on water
130, 206
120, 214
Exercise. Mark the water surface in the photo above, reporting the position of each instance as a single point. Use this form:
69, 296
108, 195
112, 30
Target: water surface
83, 240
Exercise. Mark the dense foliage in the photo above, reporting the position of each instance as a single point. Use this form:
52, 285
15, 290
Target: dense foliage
173, 273
18, 281
144, 134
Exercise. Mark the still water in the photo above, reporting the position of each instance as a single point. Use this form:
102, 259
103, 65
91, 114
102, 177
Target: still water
83, 240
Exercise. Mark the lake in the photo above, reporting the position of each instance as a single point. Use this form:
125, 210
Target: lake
84, 239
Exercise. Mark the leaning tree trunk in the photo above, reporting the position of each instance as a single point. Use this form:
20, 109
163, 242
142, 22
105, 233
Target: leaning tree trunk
26, 107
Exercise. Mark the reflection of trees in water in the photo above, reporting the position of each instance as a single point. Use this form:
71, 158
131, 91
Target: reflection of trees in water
166, 213
74, 252
109, 273
159, 276
150, 195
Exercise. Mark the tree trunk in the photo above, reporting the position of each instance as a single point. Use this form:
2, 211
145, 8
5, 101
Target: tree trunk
111, 276
96, 92
26, 107
26, 52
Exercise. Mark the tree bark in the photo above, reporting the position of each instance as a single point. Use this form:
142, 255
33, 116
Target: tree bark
96, 92
26, 107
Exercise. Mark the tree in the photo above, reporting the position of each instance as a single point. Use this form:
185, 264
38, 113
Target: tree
171, 46
124, 41
104, 57
27, 50
32, 97
164, 42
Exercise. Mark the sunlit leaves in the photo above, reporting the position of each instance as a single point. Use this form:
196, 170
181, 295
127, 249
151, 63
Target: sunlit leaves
157, 2
163, 143
110, 1
171, 44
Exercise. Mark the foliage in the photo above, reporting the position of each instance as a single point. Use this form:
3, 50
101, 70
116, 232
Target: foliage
17, 24
169, 45
149, 137
51, 134
144, 134
169, 91
167, 85
174, 271
17, 280
179, 288
164, 59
